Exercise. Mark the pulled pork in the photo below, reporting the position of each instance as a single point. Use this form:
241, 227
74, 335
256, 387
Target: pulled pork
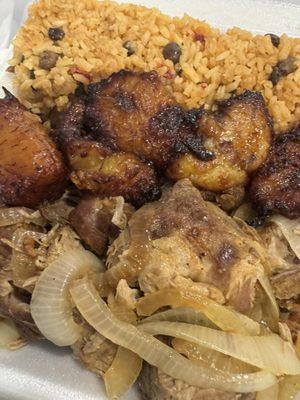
94, 351
286, 273
26, 248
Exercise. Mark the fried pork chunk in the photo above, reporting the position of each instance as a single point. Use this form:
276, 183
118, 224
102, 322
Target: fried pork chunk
276, 186
134, 112
239, 134
98, 220
97, 168
31, 168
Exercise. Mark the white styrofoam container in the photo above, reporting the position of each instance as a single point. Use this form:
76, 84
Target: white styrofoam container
42, 371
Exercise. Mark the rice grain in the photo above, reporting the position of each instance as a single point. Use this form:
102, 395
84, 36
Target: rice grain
213, 65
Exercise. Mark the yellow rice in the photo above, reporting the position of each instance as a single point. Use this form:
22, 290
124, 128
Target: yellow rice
226, 63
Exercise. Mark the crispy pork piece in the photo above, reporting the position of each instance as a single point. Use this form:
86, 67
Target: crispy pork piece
239, 133
276, 186
134, 112
31, 168
99, 169
98, 220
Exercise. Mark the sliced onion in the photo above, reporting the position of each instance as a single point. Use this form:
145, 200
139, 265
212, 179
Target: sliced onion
289, 387
15, 215
225, 318
180, 314
97, 314
290, 229
8, 334
267, 352
271, 308
50, 305
122, 373
256, 312
270, 393
297, 345
245, 212
211, 358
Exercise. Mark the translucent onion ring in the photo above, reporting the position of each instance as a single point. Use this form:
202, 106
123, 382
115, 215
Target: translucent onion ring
50, 306
122, 373
270, 352
224, 317
95, 311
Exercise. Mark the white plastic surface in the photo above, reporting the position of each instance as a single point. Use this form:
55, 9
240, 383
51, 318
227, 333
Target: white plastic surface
42, 371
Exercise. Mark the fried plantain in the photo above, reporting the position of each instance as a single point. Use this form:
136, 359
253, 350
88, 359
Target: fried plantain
134, 112
31, 168
239, 133
130, 119
99, 169
276, 186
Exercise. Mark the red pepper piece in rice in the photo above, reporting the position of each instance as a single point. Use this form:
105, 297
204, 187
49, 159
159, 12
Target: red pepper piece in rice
77, 70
